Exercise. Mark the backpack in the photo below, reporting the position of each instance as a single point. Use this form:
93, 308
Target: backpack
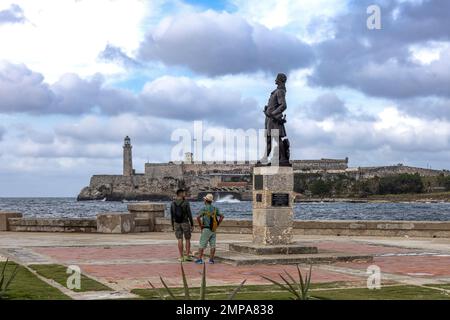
213, 223
179, 214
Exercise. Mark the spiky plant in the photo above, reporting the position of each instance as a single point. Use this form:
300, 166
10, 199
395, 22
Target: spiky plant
299, 289
187, 295
5, 281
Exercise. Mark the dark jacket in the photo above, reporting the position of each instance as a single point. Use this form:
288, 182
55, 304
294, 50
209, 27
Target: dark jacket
185, 207
274, 111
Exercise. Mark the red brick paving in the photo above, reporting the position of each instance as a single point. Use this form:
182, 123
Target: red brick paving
423, 266
86, 254
222, 274
359, 248
134, 272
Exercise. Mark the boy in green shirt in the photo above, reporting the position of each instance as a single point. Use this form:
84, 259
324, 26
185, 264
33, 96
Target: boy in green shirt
208, 219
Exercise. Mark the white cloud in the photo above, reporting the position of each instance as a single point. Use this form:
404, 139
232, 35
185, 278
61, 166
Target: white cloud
67, 35
295, 14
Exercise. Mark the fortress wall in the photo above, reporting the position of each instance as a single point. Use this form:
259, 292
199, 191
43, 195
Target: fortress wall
159, 170
370, 172
208, 168
323, 164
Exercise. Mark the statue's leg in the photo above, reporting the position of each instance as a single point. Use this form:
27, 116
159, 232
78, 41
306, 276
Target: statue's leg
268, 146
283, 152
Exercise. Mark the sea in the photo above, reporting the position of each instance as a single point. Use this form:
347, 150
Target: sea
235, 209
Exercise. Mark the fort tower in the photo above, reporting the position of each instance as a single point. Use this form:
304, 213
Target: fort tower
127, 157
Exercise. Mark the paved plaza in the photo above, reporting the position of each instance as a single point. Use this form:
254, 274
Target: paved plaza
126, 262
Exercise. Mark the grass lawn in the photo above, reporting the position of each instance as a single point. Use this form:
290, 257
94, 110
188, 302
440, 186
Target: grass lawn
445, 286
26, 286
320, 291
58, 273
400, 292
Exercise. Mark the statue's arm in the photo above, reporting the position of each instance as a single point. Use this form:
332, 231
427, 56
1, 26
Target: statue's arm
281, 97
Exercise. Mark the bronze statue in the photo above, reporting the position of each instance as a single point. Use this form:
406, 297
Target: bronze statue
275, 120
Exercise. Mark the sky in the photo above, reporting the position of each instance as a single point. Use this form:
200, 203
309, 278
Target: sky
77, 76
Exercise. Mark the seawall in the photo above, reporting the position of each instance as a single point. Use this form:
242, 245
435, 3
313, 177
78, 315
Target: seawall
149, 218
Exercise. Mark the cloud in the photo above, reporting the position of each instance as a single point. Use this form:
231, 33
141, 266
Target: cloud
178, 98
328, 105
380, 62
97, 129
115, 54
2, 132
427, 108
392, 130
22, 90
215, 44
74, 95
182, 98
65, 36
14, 14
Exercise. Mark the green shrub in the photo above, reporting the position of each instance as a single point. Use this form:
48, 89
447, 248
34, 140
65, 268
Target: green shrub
320, 188
444, 181
401, 183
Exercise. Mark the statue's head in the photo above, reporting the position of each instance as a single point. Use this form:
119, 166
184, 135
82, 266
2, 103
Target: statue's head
281, 79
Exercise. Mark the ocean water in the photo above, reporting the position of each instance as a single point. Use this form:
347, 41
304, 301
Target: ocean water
70, 208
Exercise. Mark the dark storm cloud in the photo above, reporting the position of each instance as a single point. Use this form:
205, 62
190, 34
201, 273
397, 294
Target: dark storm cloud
214, 44
378, 62
115, 54
14, 14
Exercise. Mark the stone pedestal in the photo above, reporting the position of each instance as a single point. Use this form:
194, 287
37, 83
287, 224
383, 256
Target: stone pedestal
4, 216
273, 205
145, 214
273, 202
115, 222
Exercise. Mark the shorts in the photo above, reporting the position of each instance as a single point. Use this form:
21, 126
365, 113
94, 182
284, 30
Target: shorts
206, 237
181, 229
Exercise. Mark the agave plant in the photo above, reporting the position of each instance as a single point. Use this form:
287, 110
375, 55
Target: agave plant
187, 295
299, 289
5, 281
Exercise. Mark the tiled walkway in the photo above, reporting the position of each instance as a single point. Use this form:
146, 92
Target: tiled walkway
129, 261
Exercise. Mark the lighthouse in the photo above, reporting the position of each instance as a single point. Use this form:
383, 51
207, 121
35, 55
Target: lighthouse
127, 157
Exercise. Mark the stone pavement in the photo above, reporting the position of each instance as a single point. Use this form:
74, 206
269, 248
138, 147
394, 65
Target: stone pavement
128, 261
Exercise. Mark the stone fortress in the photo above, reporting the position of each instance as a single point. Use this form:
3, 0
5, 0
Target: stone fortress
161, 180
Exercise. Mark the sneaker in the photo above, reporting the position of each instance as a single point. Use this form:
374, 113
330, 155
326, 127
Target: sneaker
211, 261
183, 259
199, 261
188, 258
